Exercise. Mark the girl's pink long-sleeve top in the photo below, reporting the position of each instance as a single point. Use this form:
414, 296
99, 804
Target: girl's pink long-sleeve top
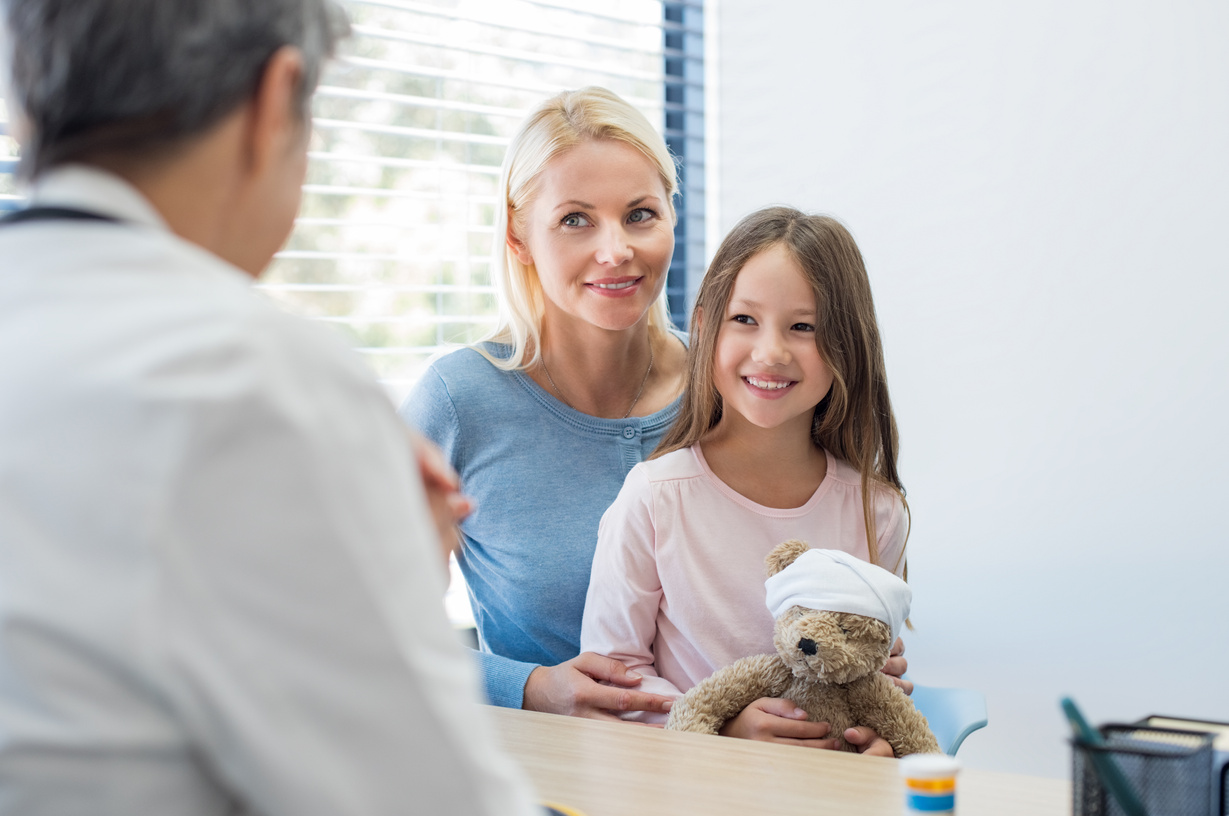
677, 588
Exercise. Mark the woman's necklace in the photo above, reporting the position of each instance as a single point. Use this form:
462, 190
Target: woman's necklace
635, 399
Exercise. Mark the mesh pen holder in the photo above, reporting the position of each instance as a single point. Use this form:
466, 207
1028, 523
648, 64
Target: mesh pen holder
1170, 772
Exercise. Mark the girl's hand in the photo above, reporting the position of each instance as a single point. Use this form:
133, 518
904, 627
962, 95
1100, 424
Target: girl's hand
773, 719
868, 742
897, 666
575, 688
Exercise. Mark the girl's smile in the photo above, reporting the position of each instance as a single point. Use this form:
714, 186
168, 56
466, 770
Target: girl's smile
772, 388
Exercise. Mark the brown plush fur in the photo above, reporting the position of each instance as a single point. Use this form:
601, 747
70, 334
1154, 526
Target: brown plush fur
840, 684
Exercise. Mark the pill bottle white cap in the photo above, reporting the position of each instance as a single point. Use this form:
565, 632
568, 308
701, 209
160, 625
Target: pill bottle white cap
928, 766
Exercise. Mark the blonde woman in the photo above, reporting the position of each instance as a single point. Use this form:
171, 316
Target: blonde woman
577, 383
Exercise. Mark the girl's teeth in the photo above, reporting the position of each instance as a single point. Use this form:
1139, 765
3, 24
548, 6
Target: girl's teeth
614, 285
767, 385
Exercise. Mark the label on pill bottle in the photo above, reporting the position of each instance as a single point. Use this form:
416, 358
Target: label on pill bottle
930, 784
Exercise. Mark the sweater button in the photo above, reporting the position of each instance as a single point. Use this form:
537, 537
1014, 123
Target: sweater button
629, 432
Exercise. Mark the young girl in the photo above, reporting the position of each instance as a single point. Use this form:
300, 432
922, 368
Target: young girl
786, 431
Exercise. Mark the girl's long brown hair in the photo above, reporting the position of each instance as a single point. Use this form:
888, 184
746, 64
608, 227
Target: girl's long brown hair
854, 421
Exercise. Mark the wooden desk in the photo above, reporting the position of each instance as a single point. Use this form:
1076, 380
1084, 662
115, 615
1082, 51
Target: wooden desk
613, 769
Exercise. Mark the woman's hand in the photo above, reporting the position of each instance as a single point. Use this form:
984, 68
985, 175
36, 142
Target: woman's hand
575, 688
897, 666
444, 498
773, 719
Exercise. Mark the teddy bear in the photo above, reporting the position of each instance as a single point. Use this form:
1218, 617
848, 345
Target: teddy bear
836, 620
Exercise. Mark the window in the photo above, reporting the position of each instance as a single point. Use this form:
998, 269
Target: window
394, 239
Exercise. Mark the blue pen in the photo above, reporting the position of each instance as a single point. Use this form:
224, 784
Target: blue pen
1108, 770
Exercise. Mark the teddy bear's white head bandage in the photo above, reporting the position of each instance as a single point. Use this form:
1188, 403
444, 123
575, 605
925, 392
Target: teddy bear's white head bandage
835, 581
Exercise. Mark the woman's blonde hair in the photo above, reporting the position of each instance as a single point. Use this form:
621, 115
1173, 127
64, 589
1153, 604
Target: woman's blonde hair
854, 421
556, 125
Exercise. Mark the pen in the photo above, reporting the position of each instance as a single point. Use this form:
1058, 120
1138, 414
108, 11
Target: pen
1108, 770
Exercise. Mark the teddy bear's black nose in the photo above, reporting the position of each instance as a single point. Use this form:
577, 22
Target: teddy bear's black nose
807, 646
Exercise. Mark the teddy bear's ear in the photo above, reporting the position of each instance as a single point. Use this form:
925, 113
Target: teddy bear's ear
783, 555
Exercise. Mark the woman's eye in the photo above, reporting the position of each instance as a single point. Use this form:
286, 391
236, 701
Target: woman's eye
575, 220
641, 214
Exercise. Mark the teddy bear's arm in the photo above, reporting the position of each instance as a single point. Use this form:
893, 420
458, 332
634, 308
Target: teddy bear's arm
724, 694
877, 703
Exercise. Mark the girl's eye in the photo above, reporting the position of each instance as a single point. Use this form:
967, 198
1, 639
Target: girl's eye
575, 220
640, 215
803, 327
746, 320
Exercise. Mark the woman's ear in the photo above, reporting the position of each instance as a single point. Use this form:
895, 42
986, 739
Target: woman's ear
519, 248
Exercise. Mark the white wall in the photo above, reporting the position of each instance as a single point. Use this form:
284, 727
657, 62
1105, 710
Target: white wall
1040, 192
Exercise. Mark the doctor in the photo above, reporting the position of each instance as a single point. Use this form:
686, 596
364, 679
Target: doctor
220, 587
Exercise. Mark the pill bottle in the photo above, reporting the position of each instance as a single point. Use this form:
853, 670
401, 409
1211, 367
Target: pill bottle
930, 784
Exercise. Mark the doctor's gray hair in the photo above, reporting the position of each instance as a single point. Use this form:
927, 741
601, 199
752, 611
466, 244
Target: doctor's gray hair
135, 78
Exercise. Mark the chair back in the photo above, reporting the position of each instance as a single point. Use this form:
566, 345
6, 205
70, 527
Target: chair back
953, 713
